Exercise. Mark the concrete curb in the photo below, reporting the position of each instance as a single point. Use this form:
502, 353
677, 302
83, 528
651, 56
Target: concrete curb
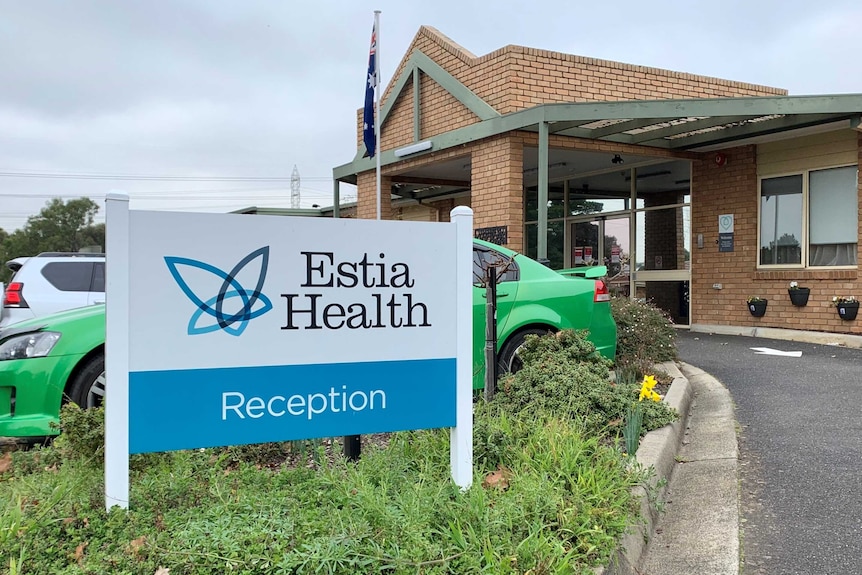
657, 450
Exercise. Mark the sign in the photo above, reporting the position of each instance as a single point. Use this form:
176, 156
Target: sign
588, 255
496, 235
251, 329
578, 256
659, 262
615, 254
725, 233
778, 352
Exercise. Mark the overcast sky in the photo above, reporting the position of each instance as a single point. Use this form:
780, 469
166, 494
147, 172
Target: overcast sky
248, 89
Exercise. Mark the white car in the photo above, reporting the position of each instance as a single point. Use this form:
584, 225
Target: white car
52, 282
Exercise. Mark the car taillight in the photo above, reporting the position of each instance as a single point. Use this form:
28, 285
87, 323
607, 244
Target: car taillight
601, 292
13, 296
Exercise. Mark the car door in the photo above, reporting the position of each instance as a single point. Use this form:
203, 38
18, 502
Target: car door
507, 288
97, 288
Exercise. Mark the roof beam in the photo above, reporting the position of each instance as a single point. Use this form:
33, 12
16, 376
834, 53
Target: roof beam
461, 92
750, 130
695, 108
405, 179
702, 124
621, 127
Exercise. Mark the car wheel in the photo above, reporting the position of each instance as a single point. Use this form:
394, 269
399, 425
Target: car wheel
88, 386
509, 361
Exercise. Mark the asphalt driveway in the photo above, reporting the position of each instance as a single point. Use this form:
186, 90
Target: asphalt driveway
800, 450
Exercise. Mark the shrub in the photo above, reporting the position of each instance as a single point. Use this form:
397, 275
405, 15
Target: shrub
82, 432
645, 334
563, 376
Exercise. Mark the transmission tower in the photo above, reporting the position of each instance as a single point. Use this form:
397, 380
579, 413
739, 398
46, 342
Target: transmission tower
294, 189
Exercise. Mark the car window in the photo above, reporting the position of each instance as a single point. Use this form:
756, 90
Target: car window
69, 276
484, 258
98, 277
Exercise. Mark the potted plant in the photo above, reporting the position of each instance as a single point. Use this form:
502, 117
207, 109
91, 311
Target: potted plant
757, 305
798, 295
847, 306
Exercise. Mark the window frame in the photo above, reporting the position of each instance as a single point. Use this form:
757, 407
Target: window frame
512, 274
57, 278
806, 176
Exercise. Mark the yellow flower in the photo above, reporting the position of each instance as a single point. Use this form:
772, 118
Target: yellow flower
647, 389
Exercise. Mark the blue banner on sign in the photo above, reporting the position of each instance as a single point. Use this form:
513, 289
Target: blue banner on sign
186, 409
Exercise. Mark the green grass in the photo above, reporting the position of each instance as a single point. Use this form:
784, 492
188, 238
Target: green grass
567, 500
552, 492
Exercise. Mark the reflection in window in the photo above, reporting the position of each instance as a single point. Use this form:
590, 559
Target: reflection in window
781, 220
556, 202
556, 243
485, 258
833, 217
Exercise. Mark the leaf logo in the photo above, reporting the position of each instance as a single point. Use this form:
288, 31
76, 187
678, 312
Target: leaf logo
253, 302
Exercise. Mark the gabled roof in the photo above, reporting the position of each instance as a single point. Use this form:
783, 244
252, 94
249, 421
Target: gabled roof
672, 124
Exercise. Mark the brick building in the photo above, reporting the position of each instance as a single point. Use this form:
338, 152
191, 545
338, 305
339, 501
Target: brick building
696, 192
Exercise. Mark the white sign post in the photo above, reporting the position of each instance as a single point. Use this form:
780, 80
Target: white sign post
117, 351
226, 329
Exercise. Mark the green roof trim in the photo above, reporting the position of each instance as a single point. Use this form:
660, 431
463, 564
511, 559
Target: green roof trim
419, 62
681, 124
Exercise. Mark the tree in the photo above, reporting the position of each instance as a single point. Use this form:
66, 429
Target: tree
59, 227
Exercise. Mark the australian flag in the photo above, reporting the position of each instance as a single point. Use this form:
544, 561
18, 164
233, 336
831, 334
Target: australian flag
368, 135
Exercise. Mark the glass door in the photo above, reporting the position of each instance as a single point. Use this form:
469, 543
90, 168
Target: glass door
604, 241
586, 248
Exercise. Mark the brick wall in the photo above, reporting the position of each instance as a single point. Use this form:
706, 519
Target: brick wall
732, 188
366, 200
515, 77
497, 195
663, 232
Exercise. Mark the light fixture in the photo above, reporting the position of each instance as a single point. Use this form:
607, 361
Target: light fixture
550, 167
617, 159
650, 175
413, 149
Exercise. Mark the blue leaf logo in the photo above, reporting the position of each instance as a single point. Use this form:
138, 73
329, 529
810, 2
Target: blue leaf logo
210, 315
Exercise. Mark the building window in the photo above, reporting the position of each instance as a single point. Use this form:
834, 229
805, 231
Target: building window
810, 219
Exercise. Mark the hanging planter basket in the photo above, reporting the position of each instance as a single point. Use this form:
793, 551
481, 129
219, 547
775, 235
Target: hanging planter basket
799, 296
847, 311
758, 308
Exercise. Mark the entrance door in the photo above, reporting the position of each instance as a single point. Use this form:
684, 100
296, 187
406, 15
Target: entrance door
604, 241
586, 248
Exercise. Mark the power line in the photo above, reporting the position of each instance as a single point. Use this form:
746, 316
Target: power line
173, 195
149, 177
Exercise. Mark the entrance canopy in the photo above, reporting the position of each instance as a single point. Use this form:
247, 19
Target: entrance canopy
694, 125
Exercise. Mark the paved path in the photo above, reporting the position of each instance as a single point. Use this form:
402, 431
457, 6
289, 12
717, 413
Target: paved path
800, 450
698, 531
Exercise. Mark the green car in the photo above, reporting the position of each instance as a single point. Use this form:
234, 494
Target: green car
60, 357
534, 299
45, 361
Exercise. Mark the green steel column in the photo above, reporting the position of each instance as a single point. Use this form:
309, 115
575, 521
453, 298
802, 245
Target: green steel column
336, 197
417, 106
633, 233
542, 232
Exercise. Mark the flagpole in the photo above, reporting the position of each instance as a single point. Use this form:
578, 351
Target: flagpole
378, 92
